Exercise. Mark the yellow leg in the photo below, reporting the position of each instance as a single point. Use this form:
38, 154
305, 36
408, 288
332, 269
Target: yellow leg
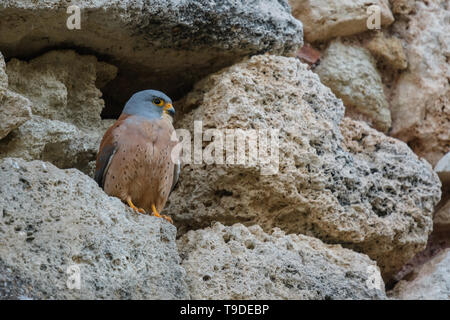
131, 204
156, 214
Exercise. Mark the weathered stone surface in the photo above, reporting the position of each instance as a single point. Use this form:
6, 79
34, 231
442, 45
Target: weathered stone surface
420, 102
54, 219
60, 143
351, 73
388, 50
14, 109
323, 19
246, 263
61, 85
442, 215
3, 77
402, 7
66, 127
366, 191
439, 239
431, 281
164, 44
443, 169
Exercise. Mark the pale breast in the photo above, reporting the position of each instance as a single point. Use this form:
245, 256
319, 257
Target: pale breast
142, 167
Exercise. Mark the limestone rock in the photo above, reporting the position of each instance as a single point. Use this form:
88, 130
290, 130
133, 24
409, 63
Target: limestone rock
66, 127
351, 73
14, 111
61, 85
323, 20
402, 7
443, 169
3, 77
420, 103
431, 282
164, 44
366, 191
57, 221
60, 143
246, 263
388, 50
14, 108
442, 215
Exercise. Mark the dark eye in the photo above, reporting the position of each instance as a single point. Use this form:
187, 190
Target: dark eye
158, 102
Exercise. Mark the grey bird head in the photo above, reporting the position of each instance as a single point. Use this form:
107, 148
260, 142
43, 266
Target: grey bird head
150, 104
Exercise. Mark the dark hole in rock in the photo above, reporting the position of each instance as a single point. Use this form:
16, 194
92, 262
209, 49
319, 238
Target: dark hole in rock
223, 193
206, 278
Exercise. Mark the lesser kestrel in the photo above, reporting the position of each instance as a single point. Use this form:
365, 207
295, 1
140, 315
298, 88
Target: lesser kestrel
135, 161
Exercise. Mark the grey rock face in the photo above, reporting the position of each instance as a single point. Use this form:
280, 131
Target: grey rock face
337, 180
163, 44
246, 263
54, 221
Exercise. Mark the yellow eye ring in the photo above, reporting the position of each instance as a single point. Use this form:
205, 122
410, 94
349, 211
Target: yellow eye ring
158, 102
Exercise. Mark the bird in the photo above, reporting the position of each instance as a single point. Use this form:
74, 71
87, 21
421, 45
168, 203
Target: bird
135, 161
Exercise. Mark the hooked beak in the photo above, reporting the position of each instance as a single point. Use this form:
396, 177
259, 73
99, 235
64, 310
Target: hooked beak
168, 108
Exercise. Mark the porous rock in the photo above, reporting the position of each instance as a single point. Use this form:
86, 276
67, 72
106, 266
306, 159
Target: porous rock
57, 224
388, 51
442, 214
14, 108
164, 44
364, 190
420, 103
66, 103
62, 86
323, 19
246, 263
350, 71
58, 142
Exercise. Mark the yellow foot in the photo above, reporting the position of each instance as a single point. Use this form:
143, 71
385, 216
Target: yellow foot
131, 204
156, 214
